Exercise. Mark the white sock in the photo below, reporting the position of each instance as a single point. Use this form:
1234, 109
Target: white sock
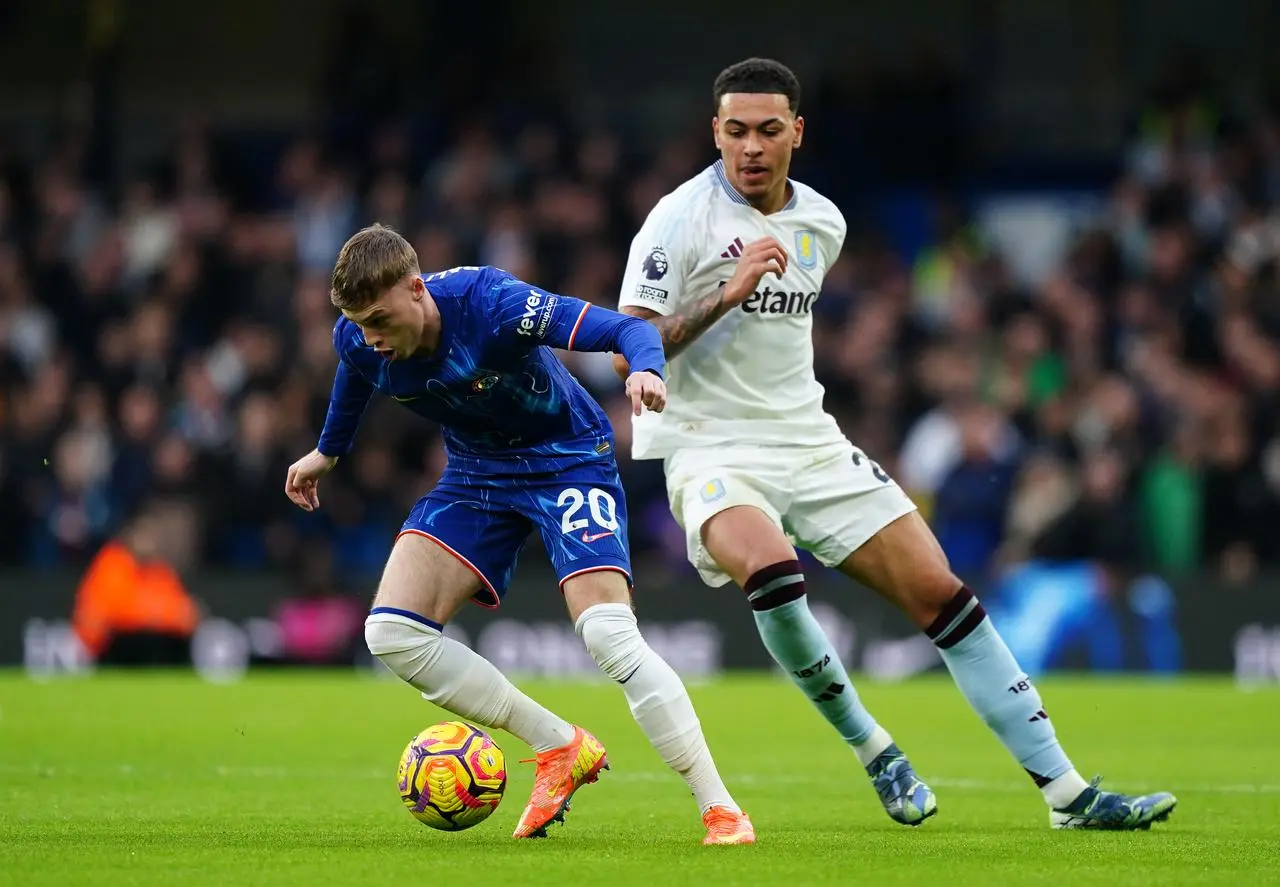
659, 702
460, 680
869, 749
1060, 792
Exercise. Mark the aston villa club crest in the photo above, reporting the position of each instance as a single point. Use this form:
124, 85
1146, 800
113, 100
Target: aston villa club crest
806, 249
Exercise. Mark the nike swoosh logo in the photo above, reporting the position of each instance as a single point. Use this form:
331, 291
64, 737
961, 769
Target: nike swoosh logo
594, 536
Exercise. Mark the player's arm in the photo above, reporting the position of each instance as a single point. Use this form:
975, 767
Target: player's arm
686, 323
527, 316
682, 324
634, 343
348, 400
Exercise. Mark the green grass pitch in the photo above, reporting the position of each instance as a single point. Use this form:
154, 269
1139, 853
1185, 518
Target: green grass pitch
289, 779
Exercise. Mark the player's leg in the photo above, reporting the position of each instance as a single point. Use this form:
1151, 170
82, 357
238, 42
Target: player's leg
734, 532
600, 606
451, 549
902, 560
753, 551
583, 521
904, 563
423, 585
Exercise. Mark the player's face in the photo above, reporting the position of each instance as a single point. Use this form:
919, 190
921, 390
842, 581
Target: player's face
394, 324
756, 134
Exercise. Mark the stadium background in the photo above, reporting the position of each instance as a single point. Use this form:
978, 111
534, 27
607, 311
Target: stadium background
1056, 320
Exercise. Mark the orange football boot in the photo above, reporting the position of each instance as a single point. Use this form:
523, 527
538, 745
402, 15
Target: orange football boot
725, 826
561, 772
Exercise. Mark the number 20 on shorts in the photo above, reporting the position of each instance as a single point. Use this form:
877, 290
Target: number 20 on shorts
600, 504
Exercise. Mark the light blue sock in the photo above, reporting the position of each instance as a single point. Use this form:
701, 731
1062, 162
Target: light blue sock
797, 642
1003, 695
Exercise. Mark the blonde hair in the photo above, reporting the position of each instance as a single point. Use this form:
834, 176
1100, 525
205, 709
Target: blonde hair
371, 262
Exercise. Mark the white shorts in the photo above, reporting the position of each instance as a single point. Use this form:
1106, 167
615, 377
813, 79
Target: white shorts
828, 499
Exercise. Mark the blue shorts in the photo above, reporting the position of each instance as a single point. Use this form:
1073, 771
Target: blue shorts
484, 521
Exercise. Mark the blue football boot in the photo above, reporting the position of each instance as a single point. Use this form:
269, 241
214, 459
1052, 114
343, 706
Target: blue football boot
1114, 811
906, 799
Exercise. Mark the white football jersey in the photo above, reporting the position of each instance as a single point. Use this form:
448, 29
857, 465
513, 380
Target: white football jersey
749, 378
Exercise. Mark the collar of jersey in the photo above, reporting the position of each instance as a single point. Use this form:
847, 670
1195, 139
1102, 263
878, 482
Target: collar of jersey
732, 192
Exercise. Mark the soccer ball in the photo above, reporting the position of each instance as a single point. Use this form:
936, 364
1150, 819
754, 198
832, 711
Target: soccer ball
452, 776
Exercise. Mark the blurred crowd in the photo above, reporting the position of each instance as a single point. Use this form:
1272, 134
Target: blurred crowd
167, 338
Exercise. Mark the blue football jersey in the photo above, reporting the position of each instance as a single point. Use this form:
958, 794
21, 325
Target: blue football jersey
503, 400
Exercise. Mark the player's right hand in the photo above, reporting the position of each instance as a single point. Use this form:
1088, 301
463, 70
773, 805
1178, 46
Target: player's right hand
302, 485
760, 257
646, 389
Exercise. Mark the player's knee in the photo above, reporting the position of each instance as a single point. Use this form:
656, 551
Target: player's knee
406, 647
591, 588
904, 562
932, 594
743, 540
612, 637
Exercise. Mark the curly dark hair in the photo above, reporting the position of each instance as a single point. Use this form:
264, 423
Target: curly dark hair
757, 75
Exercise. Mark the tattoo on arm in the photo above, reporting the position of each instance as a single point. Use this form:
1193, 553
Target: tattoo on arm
680, 328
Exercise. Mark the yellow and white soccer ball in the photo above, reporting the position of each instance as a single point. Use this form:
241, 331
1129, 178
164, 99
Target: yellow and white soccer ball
452, 776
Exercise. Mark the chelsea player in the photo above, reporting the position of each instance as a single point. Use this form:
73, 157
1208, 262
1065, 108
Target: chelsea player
528, 447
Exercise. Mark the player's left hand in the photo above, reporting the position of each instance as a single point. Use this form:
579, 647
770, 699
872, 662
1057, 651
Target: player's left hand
646, 390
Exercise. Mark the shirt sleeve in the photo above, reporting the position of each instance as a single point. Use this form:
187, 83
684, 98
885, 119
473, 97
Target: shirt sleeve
835, 237
657, 265
347, 402
529, 316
